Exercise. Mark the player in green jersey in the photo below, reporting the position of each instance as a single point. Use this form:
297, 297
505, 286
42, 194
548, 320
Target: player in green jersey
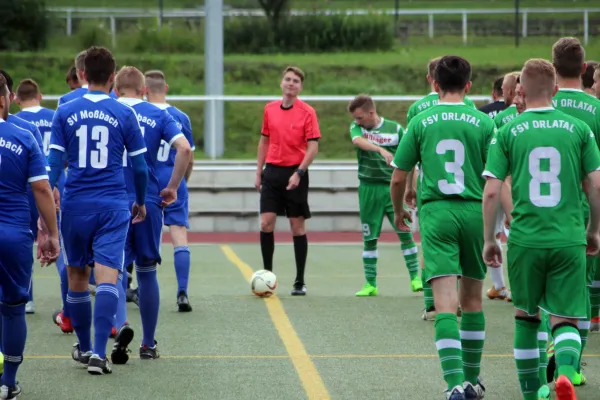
450, 141
376, 140
568, 58
510, 112
548, 153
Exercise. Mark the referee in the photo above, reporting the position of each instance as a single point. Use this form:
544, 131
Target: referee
288, 145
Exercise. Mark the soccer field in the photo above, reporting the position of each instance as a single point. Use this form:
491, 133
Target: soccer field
234, 345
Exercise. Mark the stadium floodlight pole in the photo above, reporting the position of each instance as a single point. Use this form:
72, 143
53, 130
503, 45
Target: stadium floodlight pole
516, 23
213, 78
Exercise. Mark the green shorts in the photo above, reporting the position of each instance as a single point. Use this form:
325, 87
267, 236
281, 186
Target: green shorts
374, 202
549, 279
452, 239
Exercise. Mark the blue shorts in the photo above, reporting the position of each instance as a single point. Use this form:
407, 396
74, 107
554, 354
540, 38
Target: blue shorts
177, 213
144, 238
99, 237
16, 264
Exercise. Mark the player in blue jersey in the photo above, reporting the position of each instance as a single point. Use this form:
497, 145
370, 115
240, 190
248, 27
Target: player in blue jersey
83, 84
21, 123
22, 164
91, 133
29, 97
144, 239
176, 215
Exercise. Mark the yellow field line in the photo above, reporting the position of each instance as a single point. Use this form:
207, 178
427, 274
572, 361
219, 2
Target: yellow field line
307, 372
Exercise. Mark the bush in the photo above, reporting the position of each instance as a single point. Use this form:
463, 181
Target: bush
23, 25
310, 33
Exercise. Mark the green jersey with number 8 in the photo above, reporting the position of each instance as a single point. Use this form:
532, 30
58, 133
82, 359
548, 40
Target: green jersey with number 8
548, 153
450, 140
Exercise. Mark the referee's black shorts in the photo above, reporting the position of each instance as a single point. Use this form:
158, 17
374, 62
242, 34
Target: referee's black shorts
274, 197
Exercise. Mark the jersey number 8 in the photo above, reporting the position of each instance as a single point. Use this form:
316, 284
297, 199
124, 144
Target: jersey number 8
548, 177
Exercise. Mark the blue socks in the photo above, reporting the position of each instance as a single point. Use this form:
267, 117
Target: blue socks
149, 296
121, 315
14, 336
105, 308
182, 267
80, 307
64, 282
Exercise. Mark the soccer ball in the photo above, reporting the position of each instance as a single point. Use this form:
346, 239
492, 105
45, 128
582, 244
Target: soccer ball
263, 283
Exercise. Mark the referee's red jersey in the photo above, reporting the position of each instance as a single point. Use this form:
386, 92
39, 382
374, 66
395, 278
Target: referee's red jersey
289, 130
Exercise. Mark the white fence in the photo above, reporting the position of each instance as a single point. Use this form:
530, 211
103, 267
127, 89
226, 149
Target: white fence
212, 152
70, 13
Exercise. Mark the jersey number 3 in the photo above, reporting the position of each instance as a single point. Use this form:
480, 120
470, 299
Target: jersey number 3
548, 177
99, 156
452, 167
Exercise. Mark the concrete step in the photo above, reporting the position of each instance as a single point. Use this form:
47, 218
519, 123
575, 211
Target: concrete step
247, 198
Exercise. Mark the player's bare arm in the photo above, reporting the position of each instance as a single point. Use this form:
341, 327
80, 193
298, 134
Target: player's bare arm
365, 145
410, 198
492, 254
263, 147
397, 191
506, 201
182, 161
44, 200
312, 148
190, 167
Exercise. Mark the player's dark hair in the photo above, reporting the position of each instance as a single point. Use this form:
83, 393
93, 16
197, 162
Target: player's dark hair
587, 78
362, 101
452, 73
3, 86
71, 75
8, 80
497, 87
296, 71
568, 57
155, 81
28, 89
99, 65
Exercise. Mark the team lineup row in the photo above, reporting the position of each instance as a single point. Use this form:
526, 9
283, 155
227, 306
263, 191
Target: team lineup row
109, 171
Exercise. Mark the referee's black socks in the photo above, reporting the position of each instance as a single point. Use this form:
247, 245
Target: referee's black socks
267, 248
300, 252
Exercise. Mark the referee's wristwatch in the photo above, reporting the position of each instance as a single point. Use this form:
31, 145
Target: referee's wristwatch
300, 172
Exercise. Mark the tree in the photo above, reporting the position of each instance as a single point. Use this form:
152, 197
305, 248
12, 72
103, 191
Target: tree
24, 25
275, 10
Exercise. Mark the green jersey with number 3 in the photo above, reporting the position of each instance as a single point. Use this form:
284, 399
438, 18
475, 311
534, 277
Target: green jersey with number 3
429, 101
548, 153
372, 166
451, 141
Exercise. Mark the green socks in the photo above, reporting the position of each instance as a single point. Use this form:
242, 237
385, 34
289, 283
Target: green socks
472, 336
427, 291
410, 251
527, 356
567, 349
370, 261
542, 344
448, 344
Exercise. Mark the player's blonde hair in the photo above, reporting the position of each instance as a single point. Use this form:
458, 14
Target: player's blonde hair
538, 79
130, 78
362, 101
155, 81
294, 70
432, 65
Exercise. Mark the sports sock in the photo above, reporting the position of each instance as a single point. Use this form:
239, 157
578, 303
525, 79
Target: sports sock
584, 328
542, 344
64, 283
369, 257
80, 307
149, 298
267, 248
182, 267
105, 308
567, 349
448, 344
497, 275
427, 291
14, 335
300, 254
527, 356
595, 299
472, 337
410, 252
121, 315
